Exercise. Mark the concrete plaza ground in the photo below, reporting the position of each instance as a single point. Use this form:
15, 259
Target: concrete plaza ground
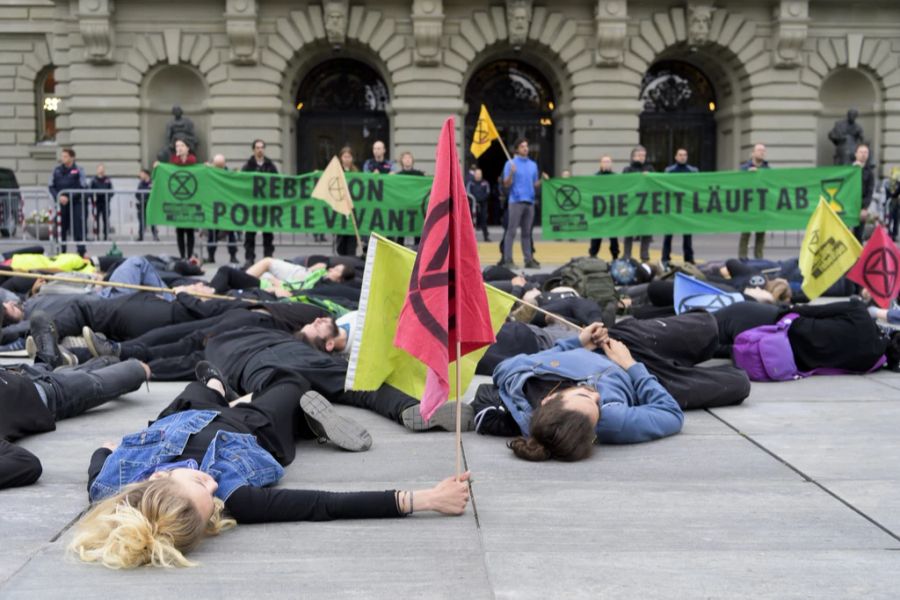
794, 494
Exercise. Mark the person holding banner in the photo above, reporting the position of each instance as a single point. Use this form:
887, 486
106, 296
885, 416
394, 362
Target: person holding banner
606, 168
522, 177
680, 166
258, 163
639, 164
154, 501
757, 161
184, 235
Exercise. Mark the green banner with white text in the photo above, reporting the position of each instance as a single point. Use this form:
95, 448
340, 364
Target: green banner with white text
723, 201
209, 198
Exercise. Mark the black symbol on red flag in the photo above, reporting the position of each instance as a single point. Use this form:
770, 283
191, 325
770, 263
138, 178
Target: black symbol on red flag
880, 272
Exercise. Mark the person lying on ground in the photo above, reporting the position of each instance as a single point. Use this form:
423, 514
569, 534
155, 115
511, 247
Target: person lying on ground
565, 399
174, 351
836, 335
250, 358
36, 396
153, 502
670, 348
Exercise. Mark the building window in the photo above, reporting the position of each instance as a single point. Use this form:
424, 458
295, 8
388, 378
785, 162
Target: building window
48, 104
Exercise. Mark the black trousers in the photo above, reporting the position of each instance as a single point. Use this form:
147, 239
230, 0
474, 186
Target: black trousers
597, 243
273, 415
72, 217
185, 238
687, 244
18, 466
212, 243
70, 392
133, 315
324, 373
250, 245
228, 278
102, 207
176, 359
669, 348
737, 318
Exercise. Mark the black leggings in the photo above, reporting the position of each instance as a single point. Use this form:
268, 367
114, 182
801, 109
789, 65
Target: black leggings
185, 238
228, 278
737, 318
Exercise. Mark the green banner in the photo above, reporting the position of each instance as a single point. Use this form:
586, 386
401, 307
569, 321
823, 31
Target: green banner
204, 197
643, 204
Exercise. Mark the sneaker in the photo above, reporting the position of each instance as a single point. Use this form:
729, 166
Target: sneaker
443, 418
44, 342
98, 345
508, 264
326, 423
532, 264
205, 372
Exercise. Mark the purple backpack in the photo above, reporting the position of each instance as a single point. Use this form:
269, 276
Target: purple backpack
765, 353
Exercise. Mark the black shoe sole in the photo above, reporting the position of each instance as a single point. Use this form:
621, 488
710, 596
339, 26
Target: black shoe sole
443, 418
325, 422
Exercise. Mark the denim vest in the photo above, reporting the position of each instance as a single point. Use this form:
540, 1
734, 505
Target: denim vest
232, 459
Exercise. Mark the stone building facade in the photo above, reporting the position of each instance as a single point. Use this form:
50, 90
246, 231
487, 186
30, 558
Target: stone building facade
580, 78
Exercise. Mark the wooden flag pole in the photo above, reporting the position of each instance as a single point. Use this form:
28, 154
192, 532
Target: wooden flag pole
502, 145
128, 286
458, 411
359, 243
555, 316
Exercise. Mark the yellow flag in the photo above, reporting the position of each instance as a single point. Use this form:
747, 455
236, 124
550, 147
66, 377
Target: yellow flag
332, 188
828, 251
374, 360
484, 134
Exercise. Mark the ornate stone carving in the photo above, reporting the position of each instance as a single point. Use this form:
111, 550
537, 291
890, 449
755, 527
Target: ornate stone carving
95, 24
699, 21
612, 21
518, 21
240, 25
428, 26
335, 13
790, 32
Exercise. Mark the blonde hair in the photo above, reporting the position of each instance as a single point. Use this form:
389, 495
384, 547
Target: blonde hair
147, 523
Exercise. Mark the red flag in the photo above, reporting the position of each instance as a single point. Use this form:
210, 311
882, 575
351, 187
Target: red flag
877, 268
437, 311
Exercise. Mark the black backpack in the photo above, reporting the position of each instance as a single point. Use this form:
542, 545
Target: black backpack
590, 277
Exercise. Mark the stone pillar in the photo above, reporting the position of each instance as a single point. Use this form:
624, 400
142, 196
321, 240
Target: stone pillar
95, 25
791, 25
240, 25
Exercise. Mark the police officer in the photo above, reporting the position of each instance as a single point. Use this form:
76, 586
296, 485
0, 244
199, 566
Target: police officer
69, 176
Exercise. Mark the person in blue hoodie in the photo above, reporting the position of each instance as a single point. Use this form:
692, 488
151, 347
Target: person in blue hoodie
583, 390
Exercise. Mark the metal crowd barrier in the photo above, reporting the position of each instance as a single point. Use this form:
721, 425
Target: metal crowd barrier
122, 224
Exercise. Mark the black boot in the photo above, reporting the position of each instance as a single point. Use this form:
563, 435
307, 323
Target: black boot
45, 340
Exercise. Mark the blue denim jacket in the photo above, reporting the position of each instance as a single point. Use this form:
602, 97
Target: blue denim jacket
233, 459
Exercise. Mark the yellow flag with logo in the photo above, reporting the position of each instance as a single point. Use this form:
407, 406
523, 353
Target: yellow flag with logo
332, 188
374, 360
828, 251
484, 134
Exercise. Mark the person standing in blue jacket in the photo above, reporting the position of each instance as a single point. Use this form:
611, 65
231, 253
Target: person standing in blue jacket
566, 398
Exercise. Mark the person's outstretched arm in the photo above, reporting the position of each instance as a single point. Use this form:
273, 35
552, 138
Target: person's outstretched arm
266, 505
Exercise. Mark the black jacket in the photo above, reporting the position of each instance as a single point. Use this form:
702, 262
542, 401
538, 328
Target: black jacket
636, 167
253, 167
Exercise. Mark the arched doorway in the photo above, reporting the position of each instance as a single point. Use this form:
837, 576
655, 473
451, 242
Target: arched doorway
521, 102
679, 106
340, 102
162, 89
842, 90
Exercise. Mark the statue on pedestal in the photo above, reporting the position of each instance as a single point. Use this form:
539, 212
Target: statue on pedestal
179, 128
846, 135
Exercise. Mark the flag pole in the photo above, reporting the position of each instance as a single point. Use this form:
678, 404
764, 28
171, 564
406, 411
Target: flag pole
502, 145
458, 411
127, 286
356, 230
